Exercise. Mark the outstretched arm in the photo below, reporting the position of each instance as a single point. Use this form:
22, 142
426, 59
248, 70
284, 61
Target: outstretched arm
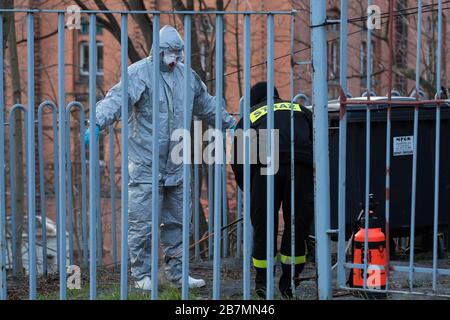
110, 108
205, 106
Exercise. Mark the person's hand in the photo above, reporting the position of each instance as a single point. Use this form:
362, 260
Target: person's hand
231, 130
87, 136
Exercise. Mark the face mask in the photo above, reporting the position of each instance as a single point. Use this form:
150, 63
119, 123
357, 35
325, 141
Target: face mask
171, 58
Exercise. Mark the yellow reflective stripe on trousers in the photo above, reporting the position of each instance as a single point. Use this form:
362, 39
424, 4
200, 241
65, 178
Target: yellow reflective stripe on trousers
297, 260
261, 111
262, 263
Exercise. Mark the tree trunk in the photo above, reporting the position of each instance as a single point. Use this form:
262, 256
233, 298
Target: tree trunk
18, 139
238, 50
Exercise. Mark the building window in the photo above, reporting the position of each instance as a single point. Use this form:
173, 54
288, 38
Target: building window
429, 50
333, 61
203, 55
333, 45
363, 59
85, 28
84, 58
401, 45
333, 92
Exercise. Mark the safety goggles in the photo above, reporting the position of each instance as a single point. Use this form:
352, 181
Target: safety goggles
173, 55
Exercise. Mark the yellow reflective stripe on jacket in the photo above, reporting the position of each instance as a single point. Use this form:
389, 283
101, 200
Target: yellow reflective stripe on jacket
297, 260
261, 111
262, 263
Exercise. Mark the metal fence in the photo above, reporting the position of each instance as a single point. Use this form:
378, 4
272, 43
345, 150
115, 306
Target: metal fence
91, 223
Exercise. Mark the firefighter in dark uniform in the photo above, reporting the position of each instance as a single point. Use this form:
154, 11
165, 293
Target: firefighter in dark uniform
304, 188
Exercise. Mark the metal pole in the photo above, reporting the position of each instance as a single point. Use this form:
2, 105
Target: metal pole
3, 244
84, 237
210, 197
368, 120
414, 170
112, 180
196, 212
388, 144
197, 161
321, 162
155, 159
84, 222
292, 49
69, 188
270, 157
413, 198
239, 198
342, 144
414, 185
93, 146
124, 160
246, 107
31, 160
224, 202
41, 174
218, 158
292, 147
437, 147
98, 210
186, 157
239, 224
62, 159
56, 172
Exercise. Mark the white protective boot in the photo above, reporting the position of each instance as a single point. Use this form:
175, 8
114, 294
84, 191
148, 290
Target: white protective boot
193, 283
144, 284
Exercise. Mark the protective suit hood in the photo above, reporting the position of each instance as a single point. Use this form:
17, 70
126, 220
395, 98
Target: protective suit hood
169, 39
171, 47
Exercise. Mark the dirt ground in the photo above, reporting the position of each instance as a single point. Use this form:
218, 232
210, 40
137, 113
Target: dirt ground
231, 284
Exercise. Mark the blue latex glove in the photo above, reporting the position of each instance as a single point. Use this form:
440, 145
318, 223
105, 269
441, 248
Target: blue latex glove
233, 129
87, 135
230, 131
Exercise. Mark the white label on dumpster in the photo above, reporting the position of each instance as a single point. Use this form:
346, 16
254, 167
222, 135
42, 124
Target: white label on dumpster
403, 146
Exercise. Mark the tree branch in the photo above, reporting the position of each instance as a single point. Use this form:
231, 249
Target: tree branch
142, 20
113, 27
196, 62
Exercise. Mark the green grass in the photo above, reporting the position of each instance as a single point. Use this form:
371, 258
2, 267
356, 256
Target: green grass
112, 292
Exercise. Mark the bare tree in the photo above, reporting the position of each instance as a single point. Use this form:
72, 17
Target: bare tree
18, 132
